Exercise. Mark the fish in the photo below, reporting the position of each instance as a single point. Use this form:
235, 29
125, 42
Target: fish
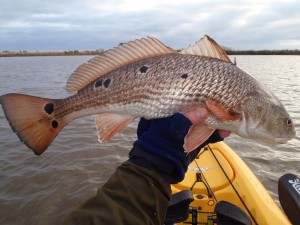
145, 78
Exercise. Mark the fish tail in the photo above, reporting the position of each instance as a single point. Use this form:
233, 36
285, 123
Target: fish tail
32, 119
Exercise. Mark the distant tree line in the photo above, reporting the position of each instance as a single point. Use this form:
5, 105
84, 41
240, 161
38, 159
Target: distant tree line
50, 53
229, 51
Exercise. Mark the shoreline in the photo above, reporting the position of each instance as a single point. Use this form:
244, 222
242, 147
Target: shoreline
98, 52
49, 53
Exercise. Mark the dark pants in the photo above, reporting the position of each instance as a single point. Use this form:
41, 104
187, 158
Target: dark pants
132, 195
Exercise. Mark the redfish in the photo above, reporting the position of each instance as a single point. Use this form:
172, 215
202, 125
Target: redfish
145, 78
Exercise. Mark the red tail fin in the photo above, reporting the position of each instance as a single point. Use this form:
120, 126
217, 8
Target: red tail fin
33, 119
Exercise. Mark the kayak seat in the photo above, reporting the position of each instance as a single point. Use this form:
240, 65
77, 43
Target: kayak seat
178, 210
289, 196
229, 214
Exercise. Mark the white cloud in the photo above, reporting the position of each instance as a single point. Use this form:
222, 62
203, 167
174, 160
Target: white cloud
94, 24
291, 43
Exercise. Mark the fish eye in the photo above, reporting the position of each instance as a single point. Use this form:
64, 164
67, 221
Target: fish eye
289, 122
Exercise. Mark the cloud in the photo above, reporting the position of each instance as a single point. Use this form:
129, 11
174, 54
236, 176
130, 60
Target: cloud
94, 24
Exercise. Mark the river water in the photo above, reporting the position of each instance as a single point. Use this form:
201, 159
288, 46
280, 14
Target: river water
43, 190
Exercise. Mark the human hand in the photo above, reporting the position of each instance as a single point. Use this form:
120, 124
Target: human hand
160, 143
197, 116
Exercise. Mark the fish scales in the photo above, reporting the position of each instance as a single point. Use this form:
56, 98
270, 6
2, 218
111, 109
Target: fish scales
161, 90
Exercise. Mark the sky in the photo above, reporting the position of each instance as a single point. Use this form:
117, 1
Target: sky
56, 25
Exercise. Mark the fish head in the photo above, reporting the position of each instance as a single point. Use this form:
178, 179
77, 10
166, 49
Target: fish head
266, 119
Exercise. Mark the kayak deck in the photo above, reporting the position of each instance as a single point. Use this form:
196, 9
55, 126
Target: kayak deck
219, 174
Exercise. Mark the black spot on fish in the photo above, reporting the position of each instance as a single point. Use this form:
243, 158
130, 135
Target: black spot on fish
54, 124
184, 76
107, 82
143, 69
98, 83
49, 108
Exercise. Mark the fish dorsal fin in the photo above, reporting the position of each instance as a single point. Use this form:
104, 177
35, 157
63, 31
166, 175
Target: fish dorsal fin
207, 47
115, 58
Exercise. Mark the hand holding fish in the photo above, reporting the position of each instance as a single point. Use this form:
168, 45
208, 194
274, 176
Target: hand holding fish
198, 116
160, 144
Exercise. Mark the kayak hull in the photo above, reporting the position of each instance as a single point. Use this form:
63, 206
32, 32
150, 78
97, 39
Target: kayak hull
227, 178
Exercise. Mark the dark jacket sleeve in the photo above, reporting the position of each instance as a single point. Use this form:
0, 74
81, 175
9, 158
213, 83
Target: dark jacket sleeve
132, 195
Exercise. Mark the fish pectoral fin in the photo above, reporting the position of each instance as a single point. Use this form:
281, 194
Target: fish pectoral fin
108, 125
221, 113
196, 136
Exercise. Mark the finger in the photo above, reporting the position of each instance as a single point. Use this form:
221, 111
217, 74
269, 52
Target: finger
224, 133
197, 116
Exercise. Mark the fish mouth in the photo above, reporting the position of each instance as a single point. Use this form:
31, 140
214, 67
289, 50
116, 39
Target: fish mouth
282, 140
275, 141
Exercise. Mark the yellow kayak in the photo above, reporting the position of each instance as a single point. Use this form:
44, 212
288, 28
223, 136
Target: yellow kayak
217, 175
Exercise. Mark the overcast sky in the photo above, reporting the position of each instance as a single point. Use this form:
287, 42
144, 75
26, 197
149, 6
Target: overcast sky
40, 25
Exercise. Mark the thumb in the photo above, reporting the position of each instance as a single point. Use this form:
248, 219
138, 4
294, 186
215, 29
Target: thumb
197, 116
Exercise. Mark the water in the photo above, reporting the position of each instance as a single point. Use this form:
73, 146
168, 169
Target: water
44, 190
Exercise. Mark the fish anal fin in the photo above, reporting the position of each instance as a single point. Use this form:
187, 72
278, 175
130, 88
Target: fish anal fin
196, 136
108, 125
206, 46
115, 58
31, 118
221, 113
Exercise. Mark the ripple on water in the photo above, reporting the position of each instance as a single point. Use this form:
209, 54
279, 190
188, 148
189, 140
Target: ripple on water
43, 190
